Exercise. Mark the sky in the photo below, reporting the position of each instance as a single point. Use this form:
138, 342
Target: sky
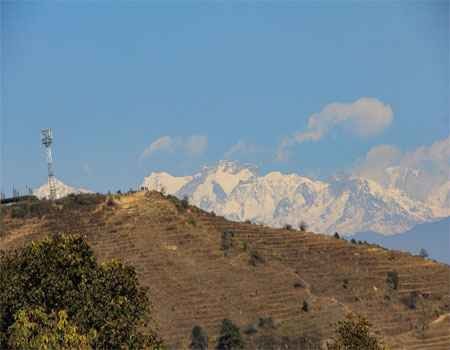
129, 88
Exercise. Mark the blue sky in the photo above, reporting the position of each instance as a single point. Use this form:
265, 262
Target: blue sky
111, 78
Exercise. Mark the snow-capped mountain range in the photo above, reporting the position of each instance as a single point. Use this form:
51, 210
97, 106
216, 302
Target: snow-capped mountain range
346, 205
62, 190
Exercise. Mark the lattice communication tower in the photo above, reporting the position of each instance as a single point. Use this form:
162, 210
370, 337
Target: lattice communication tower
47, 139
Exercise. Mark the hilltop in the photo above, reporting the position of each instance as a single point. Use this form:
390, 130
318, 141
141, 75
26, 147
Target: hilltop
201, 268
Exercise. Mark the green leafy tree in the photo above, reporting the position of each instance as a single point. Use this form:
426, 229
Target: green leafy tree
33, 329
62, 273
353, 333
230, 337
199, 339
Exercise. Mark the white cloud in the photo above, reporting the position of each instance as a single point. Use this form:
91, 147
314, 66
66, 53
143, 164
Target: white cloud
193, 145
364, 117
241, 148
163, 144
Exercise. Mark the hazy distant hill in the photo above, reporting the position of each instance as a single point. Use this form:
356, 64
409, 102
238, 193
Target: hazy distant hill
434, 237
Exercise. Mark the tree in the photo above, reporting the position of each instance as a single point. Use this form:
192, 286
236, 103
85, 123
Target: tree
62, 273
423, 253
392, 280
336, 235
305, 306
353, 333
230, 337
303, 226
199, 339
33, 329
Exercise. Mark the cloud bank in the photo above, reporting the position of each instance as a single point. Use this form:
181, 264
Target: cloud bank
364, 117
418, 172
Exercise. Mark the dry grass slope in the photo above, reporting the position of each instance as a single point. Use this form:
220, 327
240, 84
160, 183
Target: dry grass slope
266, 272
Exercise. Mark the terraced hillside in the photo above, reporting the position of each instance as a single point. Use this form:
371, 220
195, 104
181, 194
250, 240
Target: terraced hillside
201, 268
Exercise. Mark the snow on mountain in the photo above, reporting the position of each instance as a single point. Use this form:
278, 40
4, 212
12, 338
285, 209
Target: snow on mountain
346, 205
165, 182
62, 190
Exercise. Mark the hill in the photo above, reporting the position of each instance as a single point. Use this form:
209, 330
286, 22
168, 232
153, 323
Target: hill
201, 268
434, 237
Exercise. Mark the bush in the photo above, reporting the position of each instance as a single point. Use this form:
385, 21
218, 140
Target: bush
255, 258
184, 202
303, 226
266, 322
199, 339
345, 283
288, 227
227, 241
354, 334
392, 280
411, 300
353, 241
423, 253
305, 306
336, 235
19, 211
230, 337
61, 273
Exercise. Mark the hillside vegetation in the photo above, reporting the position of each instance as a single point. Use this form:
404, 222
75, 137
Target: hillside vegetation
279, 286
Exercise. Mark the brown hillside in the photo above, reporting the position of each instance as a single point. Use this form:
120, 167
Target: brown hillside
266, 273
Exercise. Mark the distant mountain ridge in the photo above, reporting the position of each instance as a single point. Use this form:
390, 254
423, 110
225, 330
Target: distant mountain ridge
434, 237
346, 205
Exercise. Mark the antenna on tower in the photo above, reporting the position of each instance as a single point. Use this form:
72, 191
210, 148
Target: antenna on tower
47, 139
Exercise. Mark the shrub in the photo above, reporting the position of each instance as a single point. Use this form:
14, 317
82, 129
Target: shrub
191, 221
251, 329
305, 306
288, 227
266, 322
336, 235
230, 337
353, 241
354, 333
303, 226
345, 283
255, 258
62, 273
199, 339
423, 253
19, 211
392, 280
411, 300
184, 202
227, 241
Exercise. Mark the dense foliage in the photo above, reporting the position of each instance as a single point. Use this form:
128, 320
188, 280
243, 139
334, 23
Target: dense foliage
230, 337
33, 329
103, 303
199, 339
353, 333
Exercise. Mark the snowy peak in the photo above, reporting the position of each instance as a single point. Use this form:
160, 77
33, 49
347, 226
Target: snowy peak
165, 182
62, 190
346, 205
